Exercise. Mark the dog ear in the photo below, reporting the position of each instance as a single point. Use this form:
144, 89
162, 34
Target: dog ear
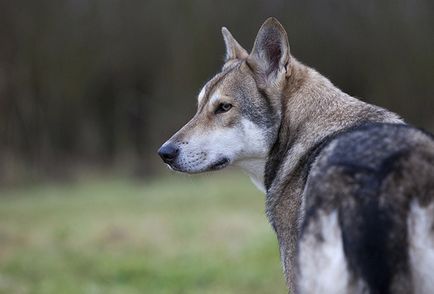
233, 48
270, 55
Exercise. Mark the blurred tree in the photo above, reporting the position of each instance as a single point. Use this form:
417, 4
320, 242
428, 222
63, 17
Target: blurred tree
103, 83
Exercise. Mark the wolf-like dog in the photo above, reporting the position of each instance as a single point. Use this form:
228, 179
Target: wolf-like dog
349, 186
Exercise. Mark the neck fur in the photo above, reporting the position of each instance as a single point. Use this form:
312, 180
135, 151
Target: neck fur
313, 108
254, 167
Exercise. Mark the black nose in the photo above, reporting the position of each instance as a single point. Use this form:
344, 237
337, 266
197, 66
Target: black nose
168, 152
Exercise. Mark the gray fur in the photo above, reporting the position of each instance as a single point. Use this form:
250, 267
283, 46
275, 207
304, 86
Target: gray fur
370, 176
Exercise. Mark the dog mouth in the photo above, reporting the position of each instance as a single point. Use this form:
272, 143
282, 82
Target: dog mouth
219, 164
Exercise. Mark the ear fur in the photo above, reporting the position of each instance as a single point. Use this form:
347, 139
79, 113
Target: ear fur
233, 48
270, 55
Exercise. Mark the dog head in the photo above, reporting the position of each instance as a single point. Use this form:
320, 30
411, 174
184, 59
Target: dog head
238, 112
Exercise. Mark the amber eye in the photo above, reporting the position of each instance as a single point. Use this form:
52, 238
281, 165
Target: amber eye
223, 107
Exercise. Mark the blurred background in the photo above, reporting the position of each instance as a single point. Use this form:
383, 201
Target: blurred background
89, 89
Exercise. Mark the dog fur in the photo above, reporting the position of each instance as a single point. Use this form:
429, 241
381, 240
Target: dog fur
349, 186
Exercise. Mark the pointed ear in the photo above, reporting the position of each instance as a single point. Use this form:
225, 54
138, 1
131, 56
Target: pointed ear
270, 55
233, 48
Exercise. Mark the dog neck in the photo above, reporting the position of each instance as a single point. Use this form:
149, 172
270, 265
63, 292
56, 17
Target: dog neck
254, 167
312, 109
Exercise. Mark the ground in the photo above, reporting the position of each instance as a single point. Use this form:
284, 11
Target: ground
177, 234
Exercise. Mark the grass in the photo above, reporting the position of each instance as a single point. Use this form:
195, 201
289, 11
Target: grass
205, 234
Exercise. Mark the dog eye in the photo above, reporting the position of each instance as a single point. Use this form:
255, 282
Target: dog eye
223, 107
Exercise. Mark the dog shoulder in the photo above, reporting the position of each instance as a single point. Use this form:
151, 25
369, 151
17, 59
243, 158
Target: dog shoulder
368, 211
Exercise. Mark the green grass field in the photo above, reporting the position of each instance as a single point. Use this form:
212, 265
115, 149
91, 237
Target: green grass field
201, 234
